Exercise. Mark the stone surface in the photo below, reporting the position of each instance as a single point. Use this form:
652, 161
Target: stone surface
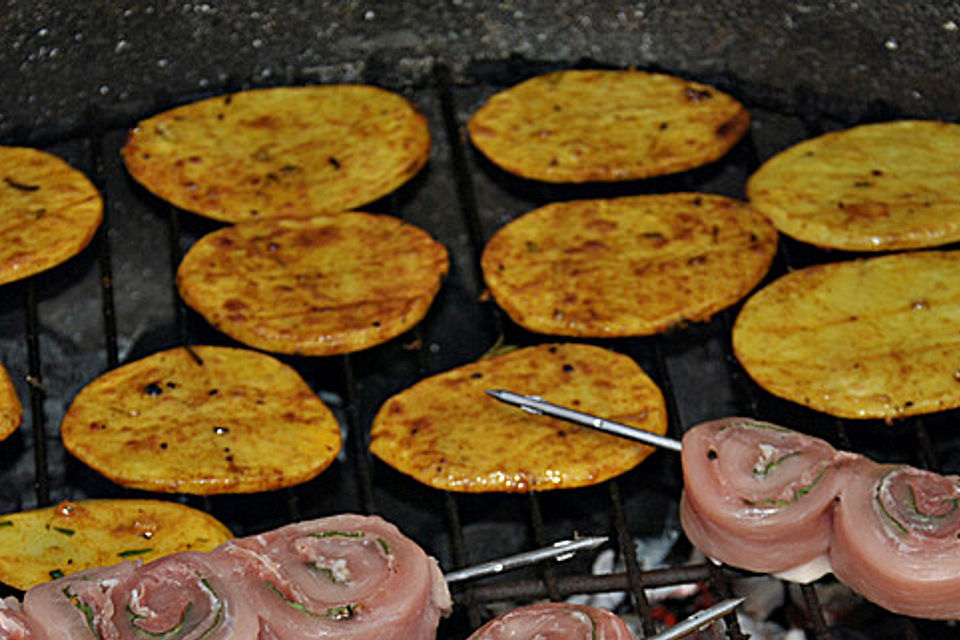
61, 59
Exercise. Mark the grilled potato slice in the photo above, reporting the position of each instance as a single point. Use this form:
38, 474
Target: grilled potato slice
447, 433
582, 126
627, 266
11, 411
872, 338
42, 544
280, 152
319, 286
877, 187
49, 212
203, 421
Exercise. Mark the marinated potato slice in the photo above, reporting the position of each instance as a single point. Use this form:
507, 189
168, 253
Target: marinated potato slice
205, 420
627, 266
280, 152
581, 126
49, 212
876, 187
318, 286
874, 338
42, 544
447, 433
11, 411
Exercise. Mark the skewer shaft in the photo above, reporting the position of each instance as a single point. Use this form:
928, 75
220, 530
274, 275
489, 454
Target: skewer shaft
537, 405
560, 550
698, 620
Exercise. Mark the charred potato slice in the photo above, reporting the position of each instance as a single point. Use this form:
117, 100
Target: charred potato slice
204, 420
49, 212
447, 433
582, 126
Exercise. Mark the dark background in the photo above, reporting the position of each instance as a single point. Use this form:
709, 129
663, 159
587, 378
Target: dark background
58, 59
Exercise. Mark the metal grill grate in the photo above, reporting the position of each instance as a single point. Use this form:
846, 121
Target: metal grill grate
117, 302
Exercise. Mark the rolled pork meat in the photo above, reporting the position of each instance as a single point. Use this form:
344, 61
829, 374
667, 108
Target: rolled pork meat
14, 624
896, 539
348, 577
759, 496
764, 498
554, 621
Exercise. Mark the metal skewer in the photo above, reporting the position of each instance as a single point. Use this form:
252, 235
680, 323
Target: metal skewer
537, 405
698, 620
560, 550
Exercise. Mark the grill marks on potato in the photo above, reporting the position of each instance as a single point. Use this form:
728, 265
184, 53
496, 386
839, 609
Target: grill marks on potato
42, 544
49, 212
280, 152
872, 338
876, 187
627, 266
580, 126
320, 286
11, 411
447, 433
232, 421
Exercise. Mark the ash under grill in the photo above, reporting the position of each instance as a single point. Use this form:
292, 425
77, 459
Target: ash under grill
117, 302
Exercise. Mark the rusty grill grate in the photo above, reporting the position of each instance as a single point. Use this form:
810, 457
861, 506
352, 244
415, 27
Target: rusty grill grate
117, 302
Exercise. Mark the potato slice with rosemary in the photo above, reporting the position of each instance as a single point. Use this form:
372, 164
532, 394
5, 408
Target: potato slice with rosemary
319, 286
447, 433
627, 266
42, 544
280, 152
49, 212
876, 187
203, 420
871, 338
581, 126
11, 411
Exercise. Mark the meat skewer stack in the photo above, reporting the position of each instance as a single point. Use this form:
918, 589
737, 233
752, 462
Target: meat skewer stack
344, 576
761, 497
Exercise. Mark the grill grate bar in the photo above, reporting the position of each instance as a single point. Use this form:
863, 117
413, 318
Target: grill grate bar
548, 574
363, 474
927, 452
814, 612
462, 559
466, 194
522, 590
721, 585
629, 551
179, 308
37, 395
107, 307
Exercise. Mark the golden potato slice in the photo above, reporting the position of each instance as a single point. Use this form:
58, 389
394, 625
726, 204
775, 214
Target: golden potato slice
870, 338
203, 421
11, 411
319, 286
876, 187
627, 266
280, 152
49, 212
580, 126
39, 545
446, 432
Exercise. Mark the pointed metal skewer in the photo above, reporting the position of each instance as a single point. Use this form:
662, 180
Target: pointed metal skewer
560, 550
698, 620
537, 405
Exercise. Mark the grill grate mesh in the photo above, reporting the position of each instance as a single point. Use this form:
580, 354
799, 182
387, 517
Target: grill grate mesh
54, 340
